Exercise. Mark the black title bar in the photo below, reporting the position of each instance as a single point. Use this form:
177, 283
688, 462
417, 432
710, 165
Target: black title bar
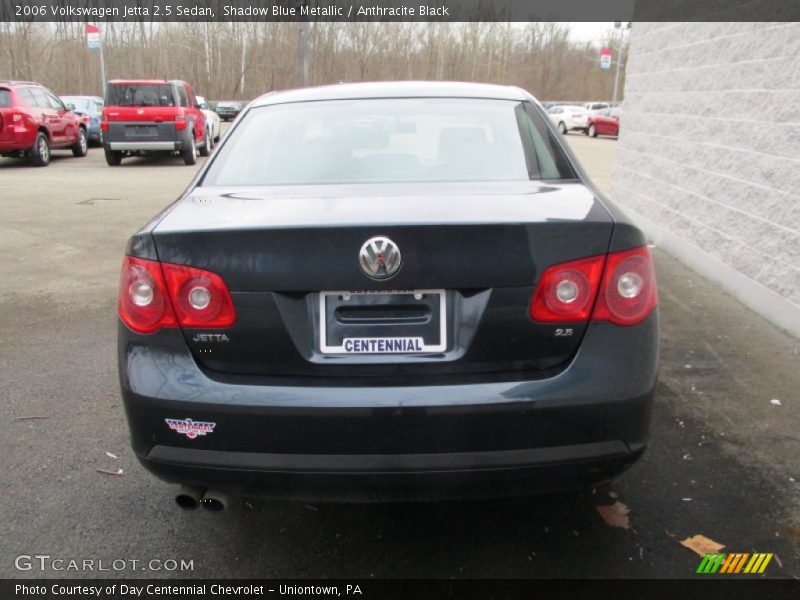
398, 10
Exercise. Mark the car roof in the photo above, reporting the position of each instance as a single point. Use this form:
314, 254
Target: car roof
394, 89
13, 83
145, 81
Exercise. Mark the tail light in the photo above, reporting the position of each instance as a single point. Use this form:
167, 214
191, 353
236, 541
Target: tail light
200, 298
566, 292
629, 292
180, 121
143, 303
154, 295
104, 124
622, 283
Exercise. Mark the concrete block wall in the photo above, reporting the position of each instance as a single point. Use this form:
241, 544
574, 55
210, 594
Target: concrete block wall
708, 158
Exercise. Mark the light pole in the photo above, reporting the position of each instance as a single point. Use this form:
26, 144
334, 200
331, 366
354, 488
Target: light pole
303, 39
618, 25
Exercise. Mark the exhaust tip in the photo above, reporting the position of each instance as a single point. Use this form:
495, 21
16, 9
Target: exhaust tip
215, 501
188, 498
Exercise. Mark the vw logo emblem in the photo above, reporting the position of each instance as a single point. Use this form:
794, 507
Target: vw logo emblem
380, 257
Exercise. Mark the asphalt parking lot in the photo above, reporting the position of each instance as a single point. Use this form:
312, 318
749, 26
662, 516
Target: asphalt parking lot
722, 463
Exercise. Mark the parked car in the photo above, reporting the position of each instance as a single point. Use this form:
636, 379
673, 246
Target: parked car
604, 123
212, 119
34, 121
228, 109
143, 116
596, 107
388, 291
568, 118
91, 107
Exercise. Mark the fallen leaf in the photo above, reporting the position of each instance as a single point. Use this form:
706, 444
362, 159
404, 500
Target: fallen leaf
117, 473
701, 545
110, 455
615, 514
776, 402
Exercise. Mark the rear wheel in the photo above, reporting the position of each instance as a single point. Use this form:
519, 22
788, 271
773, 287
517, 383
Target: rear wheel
81, 147
592, 131
189, 153
205, 150
562, 128
40, 153
113, 158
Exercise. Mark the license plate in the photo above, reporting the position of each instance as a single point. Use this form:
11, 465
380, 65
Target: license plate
142, 131
391, 322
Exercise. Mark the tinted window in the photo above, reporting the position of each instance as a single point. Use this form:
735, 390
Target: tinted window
40, 98
139, 95
402, 140
183, 99
26, 95
5, 98
55, 102
84, 105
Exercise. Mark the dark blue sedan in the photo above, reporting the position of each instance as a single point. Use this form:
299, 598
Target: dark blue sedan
91, 107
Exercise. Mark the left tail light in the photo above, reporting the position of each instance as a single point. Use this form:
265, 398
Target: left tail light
155, 295
144, 305
104, 123
200, 298
619, 287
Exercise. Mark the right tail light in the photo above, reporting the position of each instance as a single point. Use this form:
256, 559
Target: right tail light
619, 287
628, 292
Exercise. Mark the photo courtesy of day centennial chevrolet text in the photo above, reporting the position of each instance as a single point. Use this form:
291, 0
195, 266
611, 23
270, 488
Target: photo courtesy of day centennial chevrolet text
388, 291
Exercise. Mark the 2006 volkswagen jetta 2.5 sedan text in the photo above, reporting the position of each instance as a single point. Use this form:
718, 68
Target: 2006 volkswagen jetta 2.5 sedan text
388, 291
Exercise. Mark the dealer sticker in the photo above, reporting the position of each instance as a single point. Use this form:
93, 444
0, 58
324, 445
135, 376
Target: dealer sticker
191, 429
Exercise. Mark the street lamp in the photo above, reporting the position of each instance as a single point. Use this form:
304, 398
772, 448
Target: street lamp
618, 25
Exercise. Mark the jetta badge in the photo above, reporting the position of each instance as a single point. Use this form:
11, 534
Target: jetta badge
380, 257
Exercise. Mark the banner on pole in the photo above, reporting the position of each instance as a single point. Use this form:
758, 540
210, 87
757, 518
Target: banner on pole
605, 58
92, 36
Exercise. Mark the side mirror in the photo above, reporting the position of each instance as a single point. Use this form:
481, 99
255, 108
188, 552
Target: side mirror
71, 107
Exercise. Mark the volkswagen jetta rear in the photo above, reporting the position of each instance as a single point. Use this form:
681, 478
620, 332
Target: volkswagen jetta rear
389, 291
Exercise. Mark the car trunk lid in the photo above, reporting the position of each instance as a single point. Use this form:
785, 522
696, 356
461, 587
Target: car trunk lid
472, 252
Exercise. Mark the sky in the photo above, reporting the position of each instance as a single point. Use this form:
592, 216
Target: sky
590, 32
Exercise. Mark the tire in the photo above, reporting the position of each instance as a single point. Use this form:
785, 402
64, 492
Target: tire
562, 128
592, 131
113, 158
189, 153
81, 147
205, 150
40, 153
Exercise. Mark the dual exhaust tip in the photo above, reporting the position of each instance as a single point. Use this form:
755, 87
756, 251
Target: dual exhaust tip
189, 498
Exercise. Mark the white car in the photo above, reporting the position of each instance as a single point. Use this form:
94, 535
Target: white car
596, 107
568, 118
212, 119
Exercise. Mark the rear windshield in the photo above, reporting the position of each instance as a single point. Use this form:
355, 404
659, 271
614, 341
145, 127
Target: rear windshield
389, 140
139, 95
5, 99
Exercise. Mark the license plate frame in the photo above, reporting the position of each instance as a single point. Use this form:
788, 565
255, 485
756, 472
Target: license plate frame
423, 348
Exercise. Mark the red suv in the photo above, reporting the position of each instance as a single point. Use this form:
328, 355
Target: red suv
142, 116
34, 121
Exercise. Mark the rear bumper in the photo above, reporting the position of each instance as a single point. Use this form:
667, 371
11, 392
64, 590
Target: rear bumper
144, 146
585, 425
